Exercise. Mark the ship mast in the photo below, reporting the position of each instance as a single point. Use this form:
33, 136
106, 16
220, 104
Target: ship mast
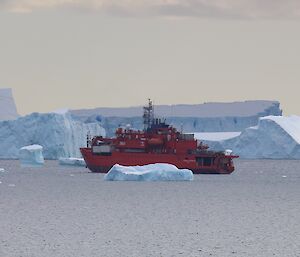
148, 115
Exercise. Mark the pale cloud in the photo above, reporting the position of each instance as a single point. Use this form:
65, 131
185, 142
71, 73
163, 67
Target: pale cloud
289, 9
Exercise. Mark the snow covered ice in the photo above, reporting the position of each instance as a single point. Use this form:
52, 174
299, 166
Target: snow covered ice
150, 172
72, 162
31, 156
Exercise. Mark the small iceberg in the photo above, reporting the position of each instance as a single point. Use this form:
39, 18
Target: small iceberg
31, 156
2, 170
150, 172
72, 162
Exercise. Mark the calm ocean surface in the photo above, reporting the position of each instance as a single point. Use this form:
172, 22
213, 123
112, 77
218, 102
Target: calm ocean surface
67, 211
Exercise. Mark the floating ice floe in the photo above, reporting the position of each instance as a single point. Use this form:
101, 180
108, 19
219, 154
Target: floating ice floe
2, 170
31, 156
72, 161
151, 172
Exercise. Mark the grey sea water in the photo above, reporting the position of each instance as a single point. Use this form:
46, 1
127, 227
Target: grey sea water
67, 211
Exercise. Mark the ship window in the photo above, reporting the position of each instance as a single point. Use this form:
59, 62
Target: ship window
205, 161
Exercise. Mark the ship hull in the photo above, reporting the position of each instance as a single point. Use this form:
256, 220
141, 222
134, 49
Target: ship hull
103, 163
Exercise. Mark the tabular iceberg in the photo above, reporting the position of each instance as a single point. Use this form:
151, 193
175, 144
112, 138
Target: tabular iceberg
31, 156
59, 134
72, 162
151, 172
208, 117
275, 137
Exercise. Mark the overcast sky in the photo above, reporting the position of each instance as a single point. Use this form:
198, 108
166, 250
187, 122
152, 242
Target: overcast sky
84, 54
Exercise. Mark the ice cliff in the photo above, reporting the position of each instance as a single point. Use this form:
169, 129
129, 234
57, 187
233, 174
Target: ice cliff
59, 134
8, 110
275, 137
208, 117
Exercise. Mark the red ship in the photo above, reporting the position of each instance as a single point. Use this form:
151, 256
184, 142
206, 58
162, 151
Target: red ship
157, 143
